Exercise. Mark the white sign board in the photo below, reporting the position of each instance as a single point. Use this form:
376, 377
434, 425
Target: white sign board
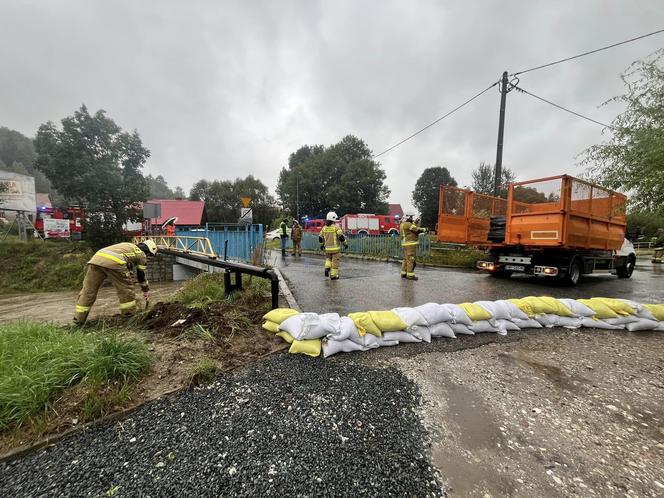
246, 216
19, 194
56, 229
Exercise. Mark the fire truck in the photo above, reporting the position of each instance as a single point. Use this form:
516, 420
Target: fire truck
369, 224
73, 214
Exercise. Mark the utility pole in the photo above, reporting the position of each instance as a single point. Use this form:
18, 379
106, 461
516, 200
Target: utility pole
297, 198
498, 171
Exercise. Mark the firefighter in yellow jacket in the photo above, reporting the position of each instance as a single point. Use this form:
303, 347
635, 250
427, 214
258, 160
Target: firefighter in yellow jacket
116, 263
410, 233
330, 238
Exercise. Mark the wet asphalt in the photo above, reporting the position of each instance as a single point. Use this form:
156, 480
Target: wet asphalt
372, 285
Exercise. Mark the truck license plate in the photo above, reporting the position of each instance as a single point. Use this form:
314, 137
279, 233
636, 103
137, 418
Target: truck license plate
514, 267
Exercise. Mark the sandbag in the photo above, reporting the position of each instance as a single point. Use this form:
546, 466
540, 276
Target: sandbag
506, 325
457, 314
622, 320
598, 324
657, 310
310, 347
513, 309
577, 308
618, 306
271, 326
461, 329
442, 330
641, 310
601, 310
485, 326
434, 313
387, 321
410, 316
331, 347
311, 325
347, 329
422, 330
364, 323
523, 306
528, 323
568, 322
497, 309
402, 337
642, 324
285, 336
278, 315
475, 312
545, 305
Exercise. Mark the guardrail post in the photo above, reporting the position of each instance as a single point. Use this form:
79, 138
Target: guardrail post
238, 280
274, 289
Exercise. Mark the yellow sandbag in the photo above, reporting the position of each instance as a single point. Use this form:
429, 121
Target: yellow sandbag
271, 326
559, 308
279, 315
364, 323
602, 311
285, 336
523, 306
657, 310
387, 321
475, 312
616, 305
309, 347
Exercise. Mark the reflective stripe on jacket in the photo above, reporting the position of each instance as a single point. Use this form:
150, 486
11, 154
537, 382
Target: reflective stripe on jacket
331, 235
122, 256
409, 234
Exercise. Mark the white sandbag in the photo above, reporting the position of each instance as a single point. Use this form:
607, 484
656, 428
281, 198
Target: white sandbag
577, 308
569, 322
434, 313
347, 329
642, 324
506, 325
486, 326
513, 309
641, 311
331, 347
461, 328
527, 323
311, 325
547, 320
599, 324
497, 309
458, 314
442, 330
661, 327
622, 320
422, 331
410, 316
401, 336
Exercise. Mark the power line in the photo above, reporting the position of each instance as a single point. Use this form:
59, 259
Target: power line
436, 121
588, 53
519, 89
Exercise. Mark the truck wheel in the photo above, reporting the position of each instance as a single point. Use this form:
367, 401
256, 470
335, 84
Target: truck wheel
362, 234
574, 274
501, 274
627, 270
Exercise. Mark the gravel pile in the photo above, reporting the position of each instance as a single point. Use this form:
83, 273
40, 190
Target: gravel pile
287, 426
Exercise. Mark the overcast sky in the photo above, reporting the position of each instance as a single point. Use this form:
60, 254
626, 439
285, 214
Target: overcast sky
221, 89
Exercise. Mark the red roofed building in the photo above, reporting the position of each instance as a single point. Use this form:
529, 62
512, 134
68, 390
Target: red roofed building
187, 212
395, 210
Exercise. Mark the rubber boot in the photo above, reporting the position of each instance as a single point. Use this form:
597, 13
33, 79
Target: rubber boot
403, 275
412, 277
327, 272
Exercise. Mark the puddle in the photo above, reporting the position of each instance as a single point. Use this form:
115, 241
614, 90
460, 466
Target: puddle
548, 371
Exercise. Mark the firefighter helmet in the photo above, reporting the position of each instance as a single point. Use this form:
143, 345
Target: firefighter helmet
331, 216
149, 247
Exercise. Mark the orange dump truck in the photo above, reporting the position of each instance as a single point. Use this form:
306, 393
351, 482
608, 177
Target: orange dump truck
558, 227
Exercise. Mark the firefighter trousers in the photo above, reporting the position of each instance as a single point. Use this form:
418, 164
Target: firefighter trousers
94, 277
408, 264
332, 263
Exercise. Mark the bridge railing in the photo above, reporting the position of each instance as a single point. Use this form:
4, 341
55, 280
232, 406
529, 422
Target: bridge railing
199, 246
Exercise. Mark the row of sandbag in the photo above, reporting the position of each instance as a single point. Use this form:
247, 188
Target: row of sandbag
309, 333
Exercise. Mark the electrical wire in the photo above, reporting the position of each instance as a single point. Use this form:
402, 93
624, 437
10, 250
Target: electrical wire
588, 53
436, 121
519, 89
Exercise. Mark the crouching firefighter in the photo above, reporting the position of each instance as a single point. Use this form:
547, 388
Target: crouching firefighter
116, 263
410, 233
329, 237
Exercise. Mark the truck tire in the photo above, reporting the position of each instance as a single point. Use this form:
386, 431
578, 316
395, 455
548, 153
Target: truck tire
627, 270
362, 234
574, 274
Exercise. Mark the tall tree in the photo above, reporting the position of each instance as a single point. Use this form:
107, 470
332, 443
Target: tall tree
632, 158
342, 176
427, 191
93, 162
159, 188
483, 179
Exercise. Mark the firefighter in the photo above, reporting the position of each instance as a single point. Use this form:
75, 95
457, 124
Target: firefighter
115, 263
658, 246
283, 236
296, 237
169, 226
409, 241
329, 237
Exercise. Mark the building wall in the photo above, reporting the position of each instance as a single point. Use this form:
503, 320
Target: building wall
160, 268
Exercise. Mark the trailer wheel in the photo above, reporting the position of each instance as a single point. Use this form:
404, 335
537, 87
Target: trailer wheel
627, 270
574, 274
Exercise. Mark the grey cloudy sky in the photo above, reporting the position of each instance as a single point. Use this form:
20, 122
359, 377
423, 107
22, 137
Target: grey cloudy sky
220, 89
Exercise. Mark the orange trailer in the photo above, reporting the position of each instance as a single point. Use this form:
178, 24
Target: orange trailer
556, 226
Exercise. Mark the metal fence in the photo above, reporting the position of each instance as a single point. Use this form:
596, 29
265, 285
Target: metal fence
236, 242
371, 245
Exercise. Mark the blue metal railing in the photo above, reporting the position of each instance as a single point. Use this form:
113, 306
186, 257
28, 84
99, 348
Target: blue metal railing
371, 245
235, 242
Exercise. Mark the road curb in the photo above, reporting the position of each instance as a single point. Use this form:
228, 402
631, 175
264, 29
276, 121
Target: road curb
285, 290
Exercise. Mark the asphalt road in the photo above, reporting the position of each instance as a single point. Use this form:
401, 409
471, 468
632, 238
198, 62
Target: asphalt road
371, 285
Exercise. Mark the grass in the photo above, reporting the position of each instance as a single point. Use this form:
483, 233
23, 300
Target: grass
466, 258
42, 266
203, 372
39, 361
208, 288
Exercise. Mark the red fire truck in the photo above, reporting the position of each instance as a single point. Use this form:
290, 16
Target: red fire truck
369, 224
74, 214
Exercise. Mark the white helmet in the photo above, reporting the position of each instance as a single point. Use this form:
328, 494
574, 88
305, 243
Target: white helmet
150, 246
331, 216
408, 216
